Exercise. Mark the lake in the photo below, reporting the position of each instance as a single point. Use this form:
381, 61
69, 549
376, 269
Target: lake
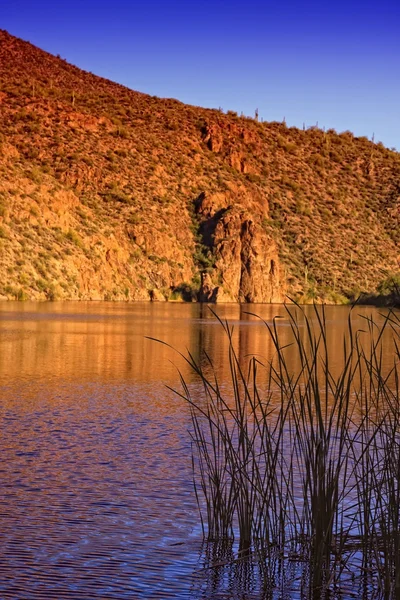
96, 495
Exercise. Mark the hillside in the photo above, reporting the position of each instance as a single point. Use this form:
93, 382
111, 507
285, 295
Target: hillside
107, 193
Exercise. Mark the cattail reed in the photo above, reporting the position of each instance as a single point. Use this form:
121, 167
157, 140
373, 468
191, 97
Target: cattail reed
305, 461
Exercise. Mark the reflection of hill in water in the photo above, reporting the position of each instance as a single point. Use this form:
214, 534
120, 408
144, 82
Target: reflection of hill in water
107, 342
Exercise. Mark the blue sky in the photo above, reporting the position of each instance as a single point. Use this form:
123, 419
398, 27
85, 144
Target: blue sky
335, 63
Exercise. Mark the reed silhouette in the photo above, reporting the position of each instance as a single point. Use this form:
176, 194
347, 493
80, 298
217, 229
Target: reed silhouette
297, 461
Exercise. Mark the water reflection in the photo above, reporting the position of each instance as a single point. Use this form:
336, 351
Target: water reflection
95, 467
108, 341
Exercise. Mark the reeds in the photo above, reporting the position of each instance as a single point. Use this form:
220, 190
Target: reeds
304, 463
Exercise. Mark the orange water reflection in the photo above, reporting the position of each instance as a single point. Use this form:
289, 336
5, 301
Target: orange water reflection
108, 341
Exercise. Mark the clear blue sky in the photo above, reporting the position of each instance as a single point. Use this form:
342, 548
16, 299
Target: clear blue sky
335, 63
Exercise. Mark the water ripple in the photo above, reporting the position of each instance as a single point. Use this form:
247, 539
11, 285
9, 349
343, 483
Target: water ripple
96, 489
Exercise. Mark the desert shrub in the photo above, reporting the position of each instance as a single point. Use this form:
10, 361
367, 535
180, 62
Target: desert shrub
73, 237
390, 285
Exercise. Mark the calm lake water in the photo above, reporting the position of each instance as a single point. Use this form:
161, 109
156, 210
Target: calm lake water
95, 465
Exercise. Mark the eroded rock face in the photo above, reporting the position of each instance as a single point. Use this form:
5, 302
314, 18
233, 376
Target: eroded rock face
260, 275
246, 264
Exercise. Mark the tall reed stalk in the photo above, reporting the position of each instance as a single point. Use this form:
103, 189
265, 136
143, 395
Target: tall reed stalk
302, 459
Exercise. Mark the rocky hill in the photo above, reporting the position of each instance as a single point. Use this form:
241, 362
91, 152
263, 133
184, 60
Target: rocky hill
107, 193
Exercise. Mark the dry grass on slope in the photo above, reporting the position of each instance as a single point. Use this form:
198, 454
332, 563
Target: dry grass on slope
103, 180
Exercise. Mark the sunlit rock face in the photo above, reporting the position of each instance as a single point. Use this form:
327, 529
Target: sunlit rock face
246, 263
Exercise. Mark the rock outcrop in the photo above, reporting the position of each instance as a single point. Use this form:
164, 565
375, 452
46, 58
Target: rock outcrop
246, 263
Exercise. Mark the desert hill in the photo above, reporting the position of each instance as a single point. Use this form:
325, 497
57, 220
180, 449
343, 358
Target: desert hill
107, 193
